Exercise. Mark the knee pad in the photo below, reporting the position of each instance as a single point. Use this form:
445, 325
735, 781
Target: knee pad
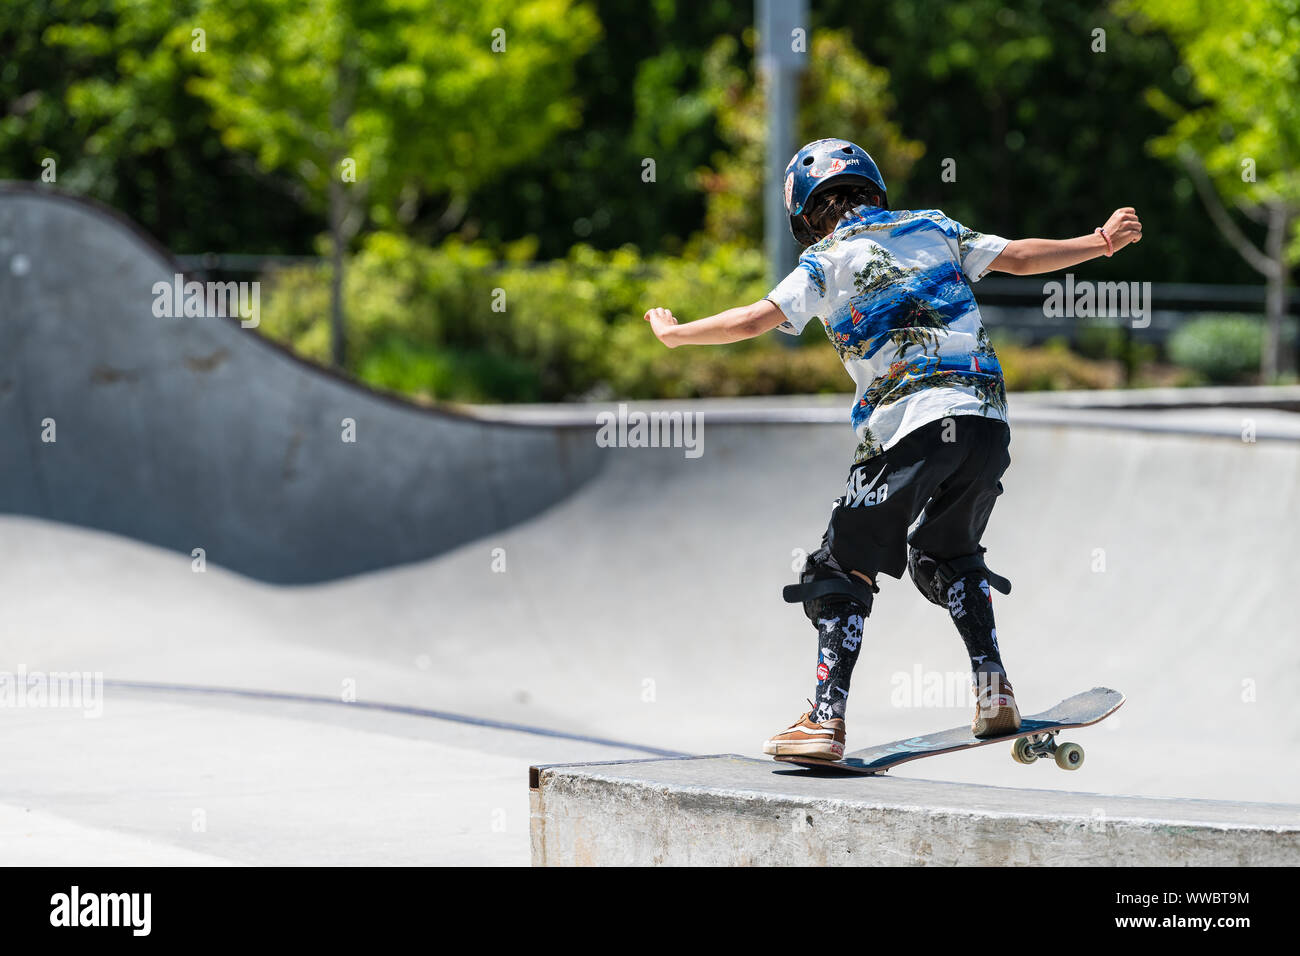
823, 582
924, 571
934, 576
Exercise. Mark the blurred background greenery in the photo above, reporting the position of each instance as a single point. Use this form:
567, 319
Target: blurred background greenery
499, 242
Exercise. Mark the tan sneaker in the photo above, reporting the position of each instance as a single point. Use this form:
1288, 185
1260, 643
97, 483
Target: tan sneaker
996, 713
807, 738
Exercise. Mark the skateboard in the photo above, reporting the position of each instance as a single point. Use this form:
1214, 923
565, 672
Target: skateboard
1035, 739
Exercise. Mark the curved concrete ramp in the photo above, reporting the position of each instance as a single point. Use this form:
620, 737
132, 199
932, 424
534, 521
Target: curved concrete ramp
728, 810
198, 433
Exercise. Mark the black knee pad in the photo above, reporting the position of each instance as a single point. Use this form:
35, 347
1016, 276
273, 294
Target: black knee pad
824, 582
924, 571
934, 576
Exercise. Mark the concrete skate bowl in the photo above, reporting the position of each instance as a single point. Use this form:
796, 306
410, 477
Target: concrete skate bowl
639, 608
645, 608
197, 433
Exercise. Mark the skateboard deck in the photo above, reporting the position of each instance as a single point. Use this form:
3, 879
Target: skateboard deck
1036, 738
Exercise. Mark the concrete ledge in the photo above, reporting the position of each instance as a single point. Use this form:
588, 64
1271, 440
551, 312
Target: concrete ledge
1205, 412
729, 810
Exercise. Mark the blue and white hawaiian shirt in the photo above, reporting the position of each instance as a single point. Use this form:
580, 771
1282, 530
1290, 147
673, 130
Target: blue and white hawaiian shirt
892, 289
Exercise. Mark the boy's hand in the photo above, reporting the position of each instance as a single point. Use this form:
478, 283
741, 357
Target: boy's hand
1028, 257
661, 321
733, 325
1123, 227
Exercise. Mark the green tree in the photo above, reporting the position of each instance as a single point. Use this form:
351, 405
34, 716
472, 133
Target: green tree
97, 87
642, 98
1240, 138
373, 106
842, 95
1038, 123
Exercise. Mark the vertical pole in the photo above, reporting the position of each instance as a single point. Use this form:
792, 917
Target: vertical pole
781, 60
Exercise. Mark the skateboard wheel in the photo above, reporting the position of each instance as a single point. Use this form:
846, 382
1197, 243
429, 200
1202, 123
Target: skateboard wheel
1020, 751
1069, 756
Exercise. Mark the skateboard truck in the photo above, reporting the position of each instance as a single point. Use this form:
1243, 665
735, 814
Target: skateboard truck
1028, 749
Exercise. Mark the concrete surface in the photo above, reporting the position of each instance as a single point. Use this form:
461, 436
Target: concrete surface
633, 596
728, 810
178, 779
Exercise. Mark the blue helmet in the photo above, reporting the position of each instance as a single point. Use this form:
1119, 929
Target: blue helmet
818, 166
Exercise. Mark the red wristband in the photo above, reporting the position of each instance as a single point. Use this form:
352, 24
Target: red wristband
1110, 249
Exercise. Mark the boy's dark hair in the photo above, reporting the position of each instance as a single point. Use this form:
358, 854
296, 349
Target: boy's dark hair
829, 207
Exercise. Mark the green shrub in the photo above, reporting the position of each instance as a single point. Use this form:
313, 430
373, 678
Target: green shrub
1052, 367
465, 322
1220, 348
1100, 340
434, 375
1105, 340
422, 322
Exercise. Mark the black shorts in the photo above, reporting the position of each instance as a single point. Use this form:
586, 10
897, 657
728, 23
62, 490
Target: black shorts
943, 477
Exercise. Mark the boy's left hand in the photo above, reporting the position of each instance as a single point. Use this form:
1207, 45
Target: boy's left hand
661, 320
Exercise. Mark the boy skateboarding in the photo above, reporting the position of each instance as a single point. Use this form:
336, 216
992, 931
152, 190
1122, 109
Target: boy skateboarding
893, 291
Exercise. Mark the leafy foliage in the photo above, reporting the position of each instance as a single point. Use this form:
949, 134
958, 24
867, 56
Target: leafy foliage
423, 322
412, 91
843, 95
1242, 71
1221, 348
98, 86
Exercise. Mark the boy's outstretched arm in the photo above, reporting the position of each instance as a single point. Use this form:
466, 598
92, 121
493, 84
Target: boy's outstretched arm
734, 325
1026, 257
